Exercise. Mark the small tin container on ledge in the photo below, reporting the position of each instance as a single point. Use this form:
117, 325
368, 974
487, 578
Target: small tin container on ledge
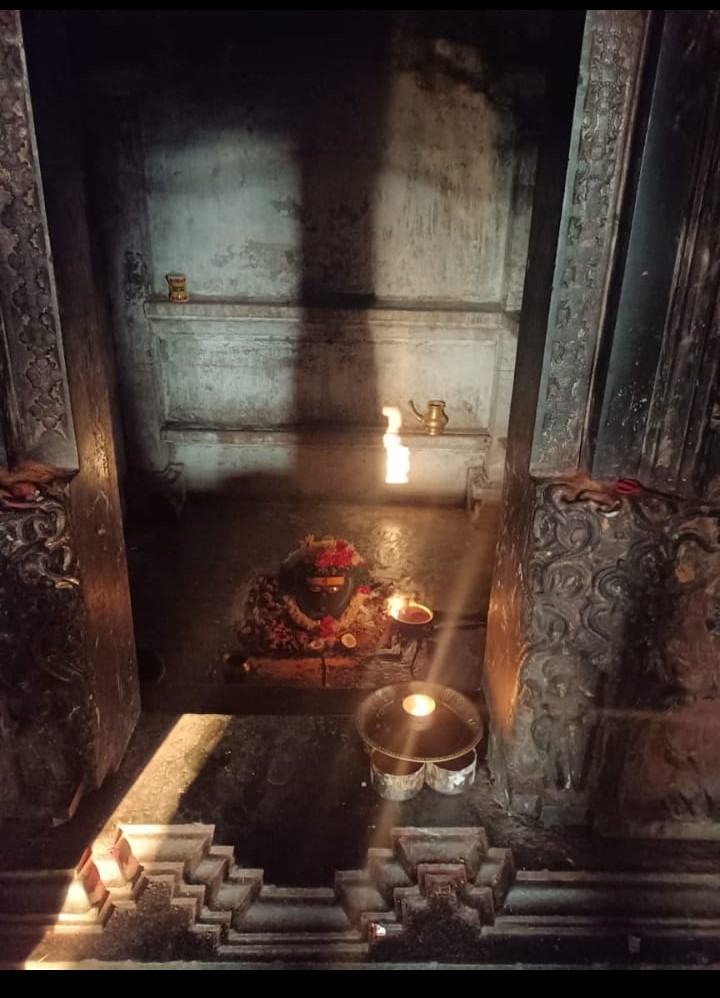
177, 284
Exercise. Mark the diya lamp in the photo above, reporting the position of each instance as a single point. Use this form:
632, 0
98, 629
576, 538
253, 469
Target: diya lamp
418, 711
410, 616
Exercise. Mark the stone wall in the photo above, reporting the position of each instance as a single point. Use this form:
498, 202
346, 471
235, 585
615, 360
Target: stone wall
254, 391
365, 162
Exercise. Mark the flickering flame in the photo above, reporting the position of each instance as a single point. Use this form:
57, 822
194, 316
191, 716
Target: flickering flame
405, 610
414, 613
418, 705
395, 605
397, 465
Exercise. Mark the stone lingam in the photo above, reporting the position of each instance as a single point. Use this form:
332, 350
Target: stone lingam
324, 619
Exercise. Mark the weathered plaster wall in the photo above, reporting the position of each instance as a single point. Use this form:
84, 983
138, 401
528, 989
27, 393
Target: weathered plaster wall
411, 192
226, 428
358, 162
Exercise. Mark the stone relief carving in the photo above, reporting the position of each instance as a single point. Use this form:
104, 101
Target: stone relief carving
44, 734
600, 140
37, 410
623, 622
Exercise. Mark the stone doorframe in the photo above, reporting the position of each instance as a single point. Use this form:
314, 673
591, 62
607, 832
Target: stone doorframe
69, 693
588, 659
603, 650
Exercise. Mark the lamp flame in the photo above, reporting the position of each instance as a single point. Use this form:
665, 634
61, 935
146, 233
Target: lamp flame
395, 605
397, 466
418, 705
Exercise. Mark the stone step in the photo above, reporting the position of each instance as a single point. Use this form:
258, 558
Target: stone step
162, 868
386, 872
173, 874
48, 905
299, 897
661, 942
301, 910
195, 893
325, 947
211, 872
420, 846
646, 895
497, 871
246, 875
222, 917
357, 893
235, 897
186, 844
188, 903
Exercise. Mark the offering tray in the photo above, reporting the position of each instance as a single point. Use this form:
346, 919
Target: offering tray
455, 728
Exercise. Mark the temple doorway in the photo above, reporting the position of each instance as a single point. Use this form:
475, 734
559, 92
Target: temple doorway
309, 250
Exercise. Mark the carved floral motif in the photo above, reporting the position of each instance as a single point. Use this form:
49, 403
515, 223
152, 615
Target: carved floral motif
38, 411
600, 141
623, 613
43, 682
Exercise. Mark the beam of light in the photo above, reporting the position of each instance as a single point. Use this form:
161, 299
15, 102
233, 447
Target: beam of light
457, 598
167, 766
168, 763
397, 464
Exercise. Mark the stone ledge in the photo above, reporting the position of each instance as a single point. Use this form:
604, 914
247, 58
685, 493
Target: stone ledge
488, 316
542, 918
344, 463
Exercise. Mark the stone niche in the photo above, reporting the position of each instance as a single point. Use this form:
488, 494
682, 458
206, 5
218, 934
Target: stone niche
352, 217
232, 394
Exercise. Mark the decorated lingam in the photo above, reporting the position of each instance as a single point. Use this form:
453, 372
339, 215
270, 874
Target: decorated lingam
325, 619
321, 580
323, 597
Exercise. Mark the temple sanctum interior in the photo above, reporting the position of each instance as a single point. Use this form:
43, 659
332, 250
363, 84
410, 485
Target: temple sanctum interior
359, 507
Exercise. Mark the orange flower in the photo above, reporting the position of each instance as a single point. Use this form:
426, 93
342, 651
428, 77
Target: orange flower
339, 555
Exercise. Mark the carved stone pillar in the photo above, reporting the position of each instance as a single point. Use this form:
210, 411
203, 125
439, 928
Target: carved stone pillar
617, 706
601, 661
69, 691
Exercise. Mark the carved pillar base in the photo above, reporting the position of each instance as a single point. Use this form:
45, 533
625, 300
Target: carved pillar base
46, 722
603, 661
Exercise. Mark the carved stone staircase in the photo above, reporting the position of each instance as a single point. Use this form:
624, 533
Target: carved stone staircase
168, 895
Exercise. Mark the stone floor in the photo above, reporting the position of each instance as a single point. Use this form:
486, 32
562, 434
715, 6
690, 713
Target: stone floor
190, 578
282, 772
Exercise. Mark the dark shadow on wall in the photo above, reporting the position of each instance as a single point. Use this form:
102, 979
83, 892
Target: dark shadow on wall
345, 71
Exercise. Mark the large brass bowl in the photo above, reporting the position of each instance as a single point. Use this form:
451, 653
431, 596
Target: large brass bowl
383, 724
